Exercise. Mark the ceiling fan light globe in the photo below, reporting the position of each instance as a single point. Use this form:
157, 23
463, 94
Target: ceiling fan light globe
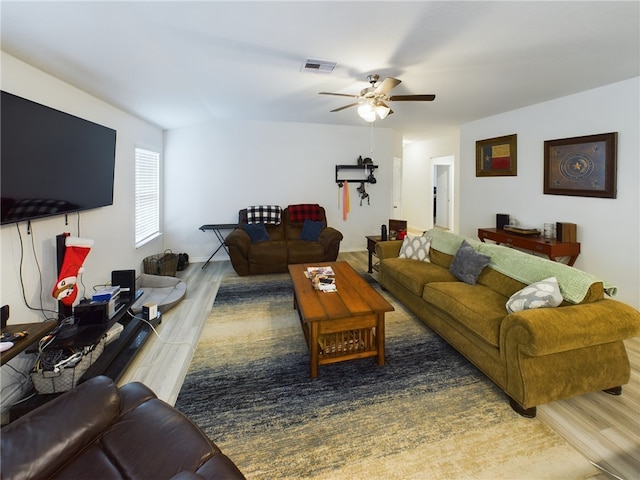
382, 111
371, 117
367, 112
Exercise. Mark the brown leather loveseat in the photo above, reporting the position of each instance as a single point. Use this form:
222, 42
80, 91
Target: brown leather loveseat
100, 431
297, 234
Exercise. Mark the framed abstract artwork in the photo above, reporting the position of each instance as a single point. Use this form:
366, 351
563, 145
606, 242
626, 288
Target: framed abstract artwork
581, 166
497, 157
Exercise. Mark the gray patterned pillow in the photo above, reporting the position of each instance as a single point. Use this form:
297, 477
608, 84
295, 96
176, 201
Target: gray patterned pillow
542, 294
416, 248
467, 263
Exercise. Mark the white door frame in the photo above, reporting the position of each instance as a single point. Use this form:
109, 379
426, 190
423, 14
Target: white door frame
448, 163
396, 206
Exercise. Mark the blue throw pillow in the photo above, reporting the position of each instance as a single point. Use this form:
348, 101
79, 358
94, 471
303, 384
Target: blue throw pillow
311, 230
256, 231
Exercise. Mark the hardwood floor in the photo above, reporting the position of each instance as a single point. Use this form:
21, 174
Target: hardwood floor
605, 428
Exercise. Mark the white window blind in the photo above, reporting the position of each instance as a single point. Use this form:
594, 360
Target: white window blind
147, 195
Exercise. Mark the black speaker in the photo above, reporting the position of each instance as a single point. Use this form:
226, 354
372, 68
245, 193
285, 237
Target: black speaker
502, 220
91, 313
126, 279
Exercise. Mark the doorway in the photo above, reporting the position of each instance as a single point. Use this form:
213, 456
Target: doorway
443, 192
397, 188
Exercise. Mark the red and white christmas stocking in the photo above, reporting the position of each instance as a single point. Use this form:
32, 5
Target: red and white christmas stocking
75, 252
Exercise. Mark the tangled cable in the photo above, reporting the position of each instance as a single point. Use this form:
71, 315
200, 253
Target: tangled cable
54, 360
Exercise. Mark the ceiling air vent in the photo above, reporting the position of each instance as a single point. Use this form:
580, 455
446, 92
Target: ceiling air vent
318, 66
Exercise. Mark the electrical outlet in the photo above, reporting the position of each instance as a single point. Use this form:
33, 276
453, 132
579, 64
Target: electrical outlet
4, 315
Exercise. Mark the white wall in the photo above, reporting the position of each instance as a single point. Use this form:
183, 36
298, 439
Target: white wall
608, 229
112, 228
417, 185
217, 168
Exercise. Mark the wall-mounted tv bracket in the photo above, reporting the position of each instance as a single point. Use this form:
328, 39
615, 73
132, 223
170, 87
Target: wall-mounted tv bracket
355, 173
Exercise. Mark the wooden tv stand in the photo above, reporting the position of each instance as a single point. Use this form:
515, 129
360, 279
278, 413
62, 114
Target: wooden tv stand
552, 248
35, 331
114, 360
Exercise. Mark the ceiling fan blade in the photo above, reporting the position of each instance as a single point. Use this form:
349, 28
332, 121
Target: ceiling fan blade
339, 94
412, 98
346, 106
387, 85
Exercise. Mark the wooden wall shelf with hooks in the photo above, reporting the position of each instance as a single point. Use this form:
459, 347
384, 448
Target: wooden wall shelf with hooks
350, 173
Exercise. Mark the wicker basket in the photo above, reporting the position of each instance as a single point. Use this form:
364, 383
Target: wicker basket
50, 381
165, 264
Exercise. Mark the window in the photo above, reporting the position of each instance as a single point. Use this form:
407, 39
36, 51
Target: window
147, 196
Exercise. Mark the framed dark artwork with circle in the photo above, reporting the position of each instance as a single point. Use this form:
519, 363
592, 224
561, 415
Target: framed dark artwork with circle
581, 166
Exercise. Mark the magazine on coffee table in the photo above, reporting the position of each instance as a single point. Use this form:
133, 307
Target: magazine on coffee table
322, 278
311, 271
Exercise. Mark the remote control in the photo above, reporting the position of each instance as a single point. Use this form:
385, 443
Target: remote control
12, 337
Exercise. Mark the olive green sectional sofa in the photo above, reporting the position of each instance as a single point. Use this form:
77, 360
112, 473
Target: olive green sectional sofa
536, 355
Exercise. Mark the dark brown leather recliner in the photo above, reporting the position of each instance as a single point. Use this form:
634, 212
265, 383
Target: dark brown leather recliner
100, 431
284, 246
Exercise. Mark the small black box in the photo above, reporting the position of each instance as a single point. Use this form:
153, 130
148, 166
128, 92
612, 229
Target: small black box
91, 313
127, 281
502, 220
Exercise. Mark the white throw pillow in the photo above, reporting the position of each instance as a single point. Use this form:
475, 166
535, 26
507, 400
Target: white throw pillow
542, 294
415, 248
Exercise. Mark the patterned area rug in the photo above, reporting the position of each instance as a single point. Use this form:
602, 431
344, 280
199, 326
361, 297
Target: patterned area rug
427, 413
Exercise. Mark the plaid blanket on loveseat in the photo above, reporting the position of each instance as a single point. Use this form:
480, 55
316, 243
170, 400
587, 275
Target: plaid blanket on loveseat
264, 214
305, 211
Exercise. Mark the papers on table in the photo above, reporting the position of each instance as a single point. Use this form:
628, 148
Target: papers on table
322, 278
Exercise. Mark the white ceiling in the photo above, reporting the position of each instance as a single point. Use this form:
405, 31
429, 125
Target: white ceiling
180, 63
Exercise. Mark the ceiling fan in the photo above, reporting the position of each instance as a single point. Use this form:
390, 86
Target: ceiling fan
372, 100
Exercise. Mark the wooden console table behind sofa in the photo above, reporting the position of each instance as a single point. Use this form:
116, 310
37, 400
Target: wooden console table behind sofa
552, 248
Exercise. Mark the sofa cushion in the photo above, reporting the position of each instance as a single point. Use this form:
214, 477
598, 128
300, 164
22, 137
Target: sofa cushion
268, 253
293, 230
440, 258
302, 251
542, 294
413, 275
416, 248
499, 282
256, 231
151, 424
311, 230
468, 263
275, 231
478, 308
40, 444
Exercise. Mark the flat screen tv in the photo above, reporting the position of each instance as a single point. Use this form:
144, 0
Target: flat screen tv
51, 162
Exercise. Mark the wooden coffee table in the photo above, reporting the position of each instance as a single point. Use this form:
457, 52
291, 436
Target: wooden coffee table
342, 325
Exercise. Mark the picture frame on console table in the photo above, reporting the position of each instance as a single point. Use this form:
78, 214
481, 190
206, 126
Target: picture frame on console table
497, 157
581, 166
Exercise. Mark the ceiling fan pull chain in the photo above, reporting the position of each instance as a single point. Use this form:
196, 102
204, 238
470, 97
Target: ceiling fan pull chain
372, 139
